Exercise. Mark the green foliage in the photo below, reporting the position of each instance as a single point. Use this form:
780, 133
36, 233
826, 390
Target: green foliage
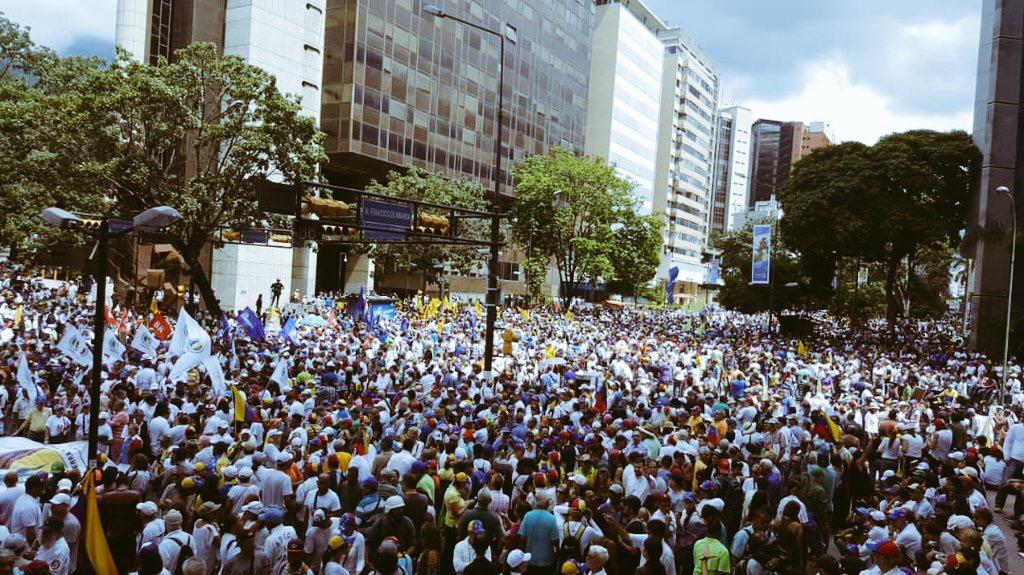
535, 268
859, 303
433, 187
884, 203
196, 134
565, 208
636, 253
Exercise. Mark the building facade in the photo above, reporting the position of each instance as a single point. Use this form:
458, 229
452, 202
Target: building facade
775, 148
731, 183
403, 87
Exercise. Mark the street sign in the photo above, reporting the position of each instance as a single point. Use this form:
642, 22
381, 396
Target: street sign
391, 216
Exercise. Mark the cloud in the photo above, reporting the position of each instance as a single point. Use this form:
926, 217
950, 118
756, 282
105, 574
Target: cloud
856, 111
61, 24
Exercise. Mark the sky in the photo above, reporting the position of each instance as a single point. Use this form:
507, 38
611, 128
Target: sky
866, 67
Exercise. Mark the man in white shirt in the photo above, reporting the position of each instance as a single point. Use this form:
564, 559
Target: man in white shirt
907, 535
995, 538
174, 540
27, 515
1013, 452
321, 498
276, 485
153, 527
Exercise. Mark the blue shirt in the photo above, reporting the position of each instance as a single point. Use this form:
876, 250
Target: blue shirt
540, 535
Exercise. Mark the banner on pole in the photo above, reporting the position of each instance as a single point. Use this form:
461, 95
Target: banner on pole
760, 272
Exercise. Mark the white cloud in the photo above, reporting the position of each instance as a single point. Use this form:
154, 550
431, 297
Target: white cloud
855, 110
56, 23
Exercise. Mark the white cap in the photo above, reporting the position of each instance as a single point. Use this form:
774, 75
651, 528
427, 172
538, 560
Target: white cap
516, 558
394, 502
147, 508
65, 485
284, 457
61, 499
245, 472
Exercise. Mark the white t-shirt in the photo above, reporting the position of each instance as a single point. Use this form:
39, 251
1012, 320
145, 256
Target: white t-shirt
28, 513
274, 487
57, 556
328, 502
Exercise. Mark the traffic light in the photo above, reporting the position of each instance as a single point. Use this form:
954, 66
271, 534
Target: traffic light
432, 224
333, 233
89, 224
325, 208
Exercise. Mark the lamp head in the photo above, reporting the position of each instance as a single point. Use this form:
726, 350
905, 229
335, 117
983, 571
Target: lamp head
431, 9
156, 218
62, 219
1004, 190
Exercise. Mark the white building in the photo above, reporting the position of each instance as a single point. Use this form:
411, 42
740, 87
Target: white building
624, 99
732, 169
283, 37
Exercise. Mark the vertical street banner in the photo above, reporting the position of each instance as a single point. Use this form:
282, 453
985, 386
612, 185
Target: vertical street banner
762, 251
714, 269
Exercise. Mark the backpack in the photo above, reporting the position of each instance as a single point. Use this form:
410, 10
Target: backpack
185, 552
571, 548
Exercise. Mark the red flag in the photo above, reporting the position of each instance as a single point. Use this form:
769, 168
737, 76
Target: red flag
124, 323
109, 316
160, 327
601, 398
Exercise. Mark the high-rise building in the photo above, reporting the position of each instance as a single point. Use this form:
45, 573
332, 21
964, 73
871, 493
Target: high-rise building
731, 182
686, 150
653, 96
775, 148
625, 95
403, 87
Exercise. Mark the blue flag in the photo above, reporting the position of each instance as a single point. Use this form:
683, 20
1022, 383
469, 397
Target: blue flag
670, 290
358, 309
252, 325
288, 331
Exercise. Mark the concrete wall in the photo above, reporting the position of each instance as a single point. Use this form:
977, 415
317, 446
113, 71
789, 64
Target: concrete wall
241, 272
131, 31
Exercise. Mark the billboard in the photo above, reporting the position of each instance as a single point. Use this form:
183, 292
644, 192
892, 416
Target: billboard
397, 217
760, 272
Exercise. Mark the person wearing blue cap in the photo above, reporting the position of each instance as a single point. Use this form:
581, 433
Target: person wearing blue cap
901, 521
371, 503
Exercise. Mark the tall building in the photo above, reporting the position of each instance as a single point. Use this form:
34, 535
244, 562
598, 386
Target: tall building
687, 142
403, 87
998, 117
653, 96
775, 148
287, 40
625, 95
731, 182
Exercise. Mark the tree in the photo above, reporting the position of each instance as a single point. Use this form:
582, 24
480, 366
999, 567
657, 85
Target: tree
29, 102
196, 134
636, 253
564, 209
432, 187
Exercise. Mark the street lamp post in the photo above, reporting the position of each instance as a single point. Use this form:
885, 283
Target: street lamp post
492, 262
153, 219
1009, 289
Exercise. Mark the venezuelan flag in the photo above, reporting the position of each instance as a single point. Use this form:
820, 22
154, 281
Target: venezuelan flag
96, 547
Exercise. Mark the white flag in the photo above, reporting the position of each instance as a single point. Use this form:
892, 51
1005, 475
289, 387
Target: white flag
234, 363
180, 336
195, 350
27, 380
216, 373
74, 346
144, 341
280, 375
112, 347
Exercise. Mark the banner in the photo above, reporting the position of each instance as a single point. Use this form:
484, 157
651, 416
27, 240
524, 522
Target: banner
280, 375
93, 538
112, 347
195, 350
760, 272
180, 337
73, 345
145, 342
671, 288
218, 383
862, 276
251, 323
288, 331
713, 271
27, 380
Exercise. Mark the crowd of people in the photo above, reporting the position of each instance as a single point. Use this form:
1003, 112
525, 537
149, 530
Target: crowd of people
606, 441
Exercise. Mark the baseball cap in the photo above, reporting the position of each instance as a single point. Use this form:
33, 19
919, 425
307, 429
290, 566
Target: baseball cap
461, 477
516, 558
888, 549
394, 502
147, 508
61, 499
335, 542
65, 485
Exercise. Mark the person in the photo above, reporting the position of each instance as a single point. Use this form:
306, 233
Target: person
27, 514
259, 305
176, 545
322, 498
275, 293
60, 505
539, 531
393, 524
53, 549
472, 547
334, 556
1013, 451
994, 537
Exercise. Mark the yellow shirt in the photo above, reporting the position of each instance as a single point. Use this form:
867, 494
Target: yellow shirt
452, 498
37, 420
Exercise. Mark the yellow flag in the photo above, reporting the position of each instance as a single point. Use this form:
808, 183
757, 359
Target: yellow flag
801, 349
549, 352
95, 541
569, 315
525, 313
477, 309
153, 307
834, 430
238, 399
19, 314
440, 327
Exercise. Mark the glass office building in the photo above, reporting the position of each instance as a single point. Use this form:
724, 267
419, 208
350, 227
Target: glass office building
403, 87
